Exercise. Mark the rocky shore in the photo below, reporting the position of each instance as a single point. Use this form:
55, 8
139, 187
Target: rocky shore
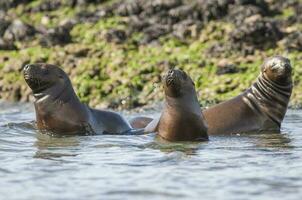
115, 51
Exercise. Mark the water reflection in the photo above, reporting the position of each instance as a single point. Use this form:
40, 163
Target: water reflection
275, 140
270, 139
50, 147
188, 148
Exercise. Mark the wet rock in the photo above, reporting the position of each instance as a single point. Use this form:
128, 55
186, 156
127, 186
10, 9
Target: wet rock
116, 36
18, 30
56, 36
257, 32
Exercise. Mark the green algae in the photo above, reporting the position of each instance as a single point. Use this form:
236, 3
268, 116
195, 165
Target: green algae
127, 75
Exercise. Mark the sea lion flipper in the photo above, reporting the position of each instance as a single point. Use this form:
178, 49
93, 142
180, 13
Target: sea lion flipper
152, 126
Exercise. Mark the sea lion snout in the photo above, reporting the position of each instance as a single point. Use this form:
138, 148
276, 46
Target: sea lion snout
34, 69
173, 75
282, 65
26, 67
40, 76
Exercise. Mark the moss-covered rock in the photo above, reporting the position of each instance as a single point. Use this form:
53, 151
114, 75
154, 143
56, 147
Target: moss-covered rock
116, 51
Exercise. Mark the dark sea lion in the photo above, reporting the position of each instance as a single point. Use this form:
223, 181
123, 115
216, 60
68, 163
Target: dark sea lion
261, 107
58, 108
181, 118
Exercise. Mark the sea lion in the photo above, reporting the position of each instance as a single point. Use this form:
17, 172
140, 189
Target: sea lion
58, 108
260, 107
181, 118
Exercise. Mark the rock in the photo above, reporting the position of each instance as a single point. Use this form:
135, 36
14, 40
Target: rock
225, 67
68, 24
130, 8
3, 26
15, 66
77, 51
47, 5
212, 9
56, 36
238, 14
6, 4
293, 41
181, 12
186, 29
84, 2
259, 3
183, 19
18, 30
156, 6
154, 32
7, 45
87, 16
137, 25
116, 36
257, 32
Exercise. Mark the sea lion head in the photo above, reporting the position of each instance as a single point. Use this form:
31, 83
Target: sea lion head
41, 77
277, 69
176, 83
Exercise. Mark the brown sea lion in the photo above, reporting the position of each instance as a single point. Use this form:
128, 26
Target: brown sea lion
58, 108
260, 107
181, 118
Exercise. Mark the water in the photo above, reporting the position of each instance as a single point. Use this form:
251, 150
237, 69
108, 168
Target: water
38, 166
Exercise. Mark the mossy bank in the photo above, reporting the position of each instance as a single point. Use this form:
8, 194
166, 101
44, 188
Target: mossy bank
116, 51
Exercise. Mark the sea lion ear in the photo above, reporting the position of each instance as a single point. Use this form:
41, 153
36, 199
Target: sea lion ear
193, 83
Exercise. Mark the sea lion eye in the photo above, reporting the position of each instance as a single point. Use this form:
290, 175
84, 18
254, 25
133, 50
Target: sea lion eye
61, 75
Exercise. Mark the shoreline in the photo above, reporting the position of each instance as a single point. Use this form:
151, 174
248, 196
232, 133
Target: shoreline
115, 52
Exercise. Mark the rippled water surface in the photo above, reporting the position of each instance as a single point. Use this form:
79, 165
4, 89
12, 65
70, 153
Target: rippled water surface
38, 166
